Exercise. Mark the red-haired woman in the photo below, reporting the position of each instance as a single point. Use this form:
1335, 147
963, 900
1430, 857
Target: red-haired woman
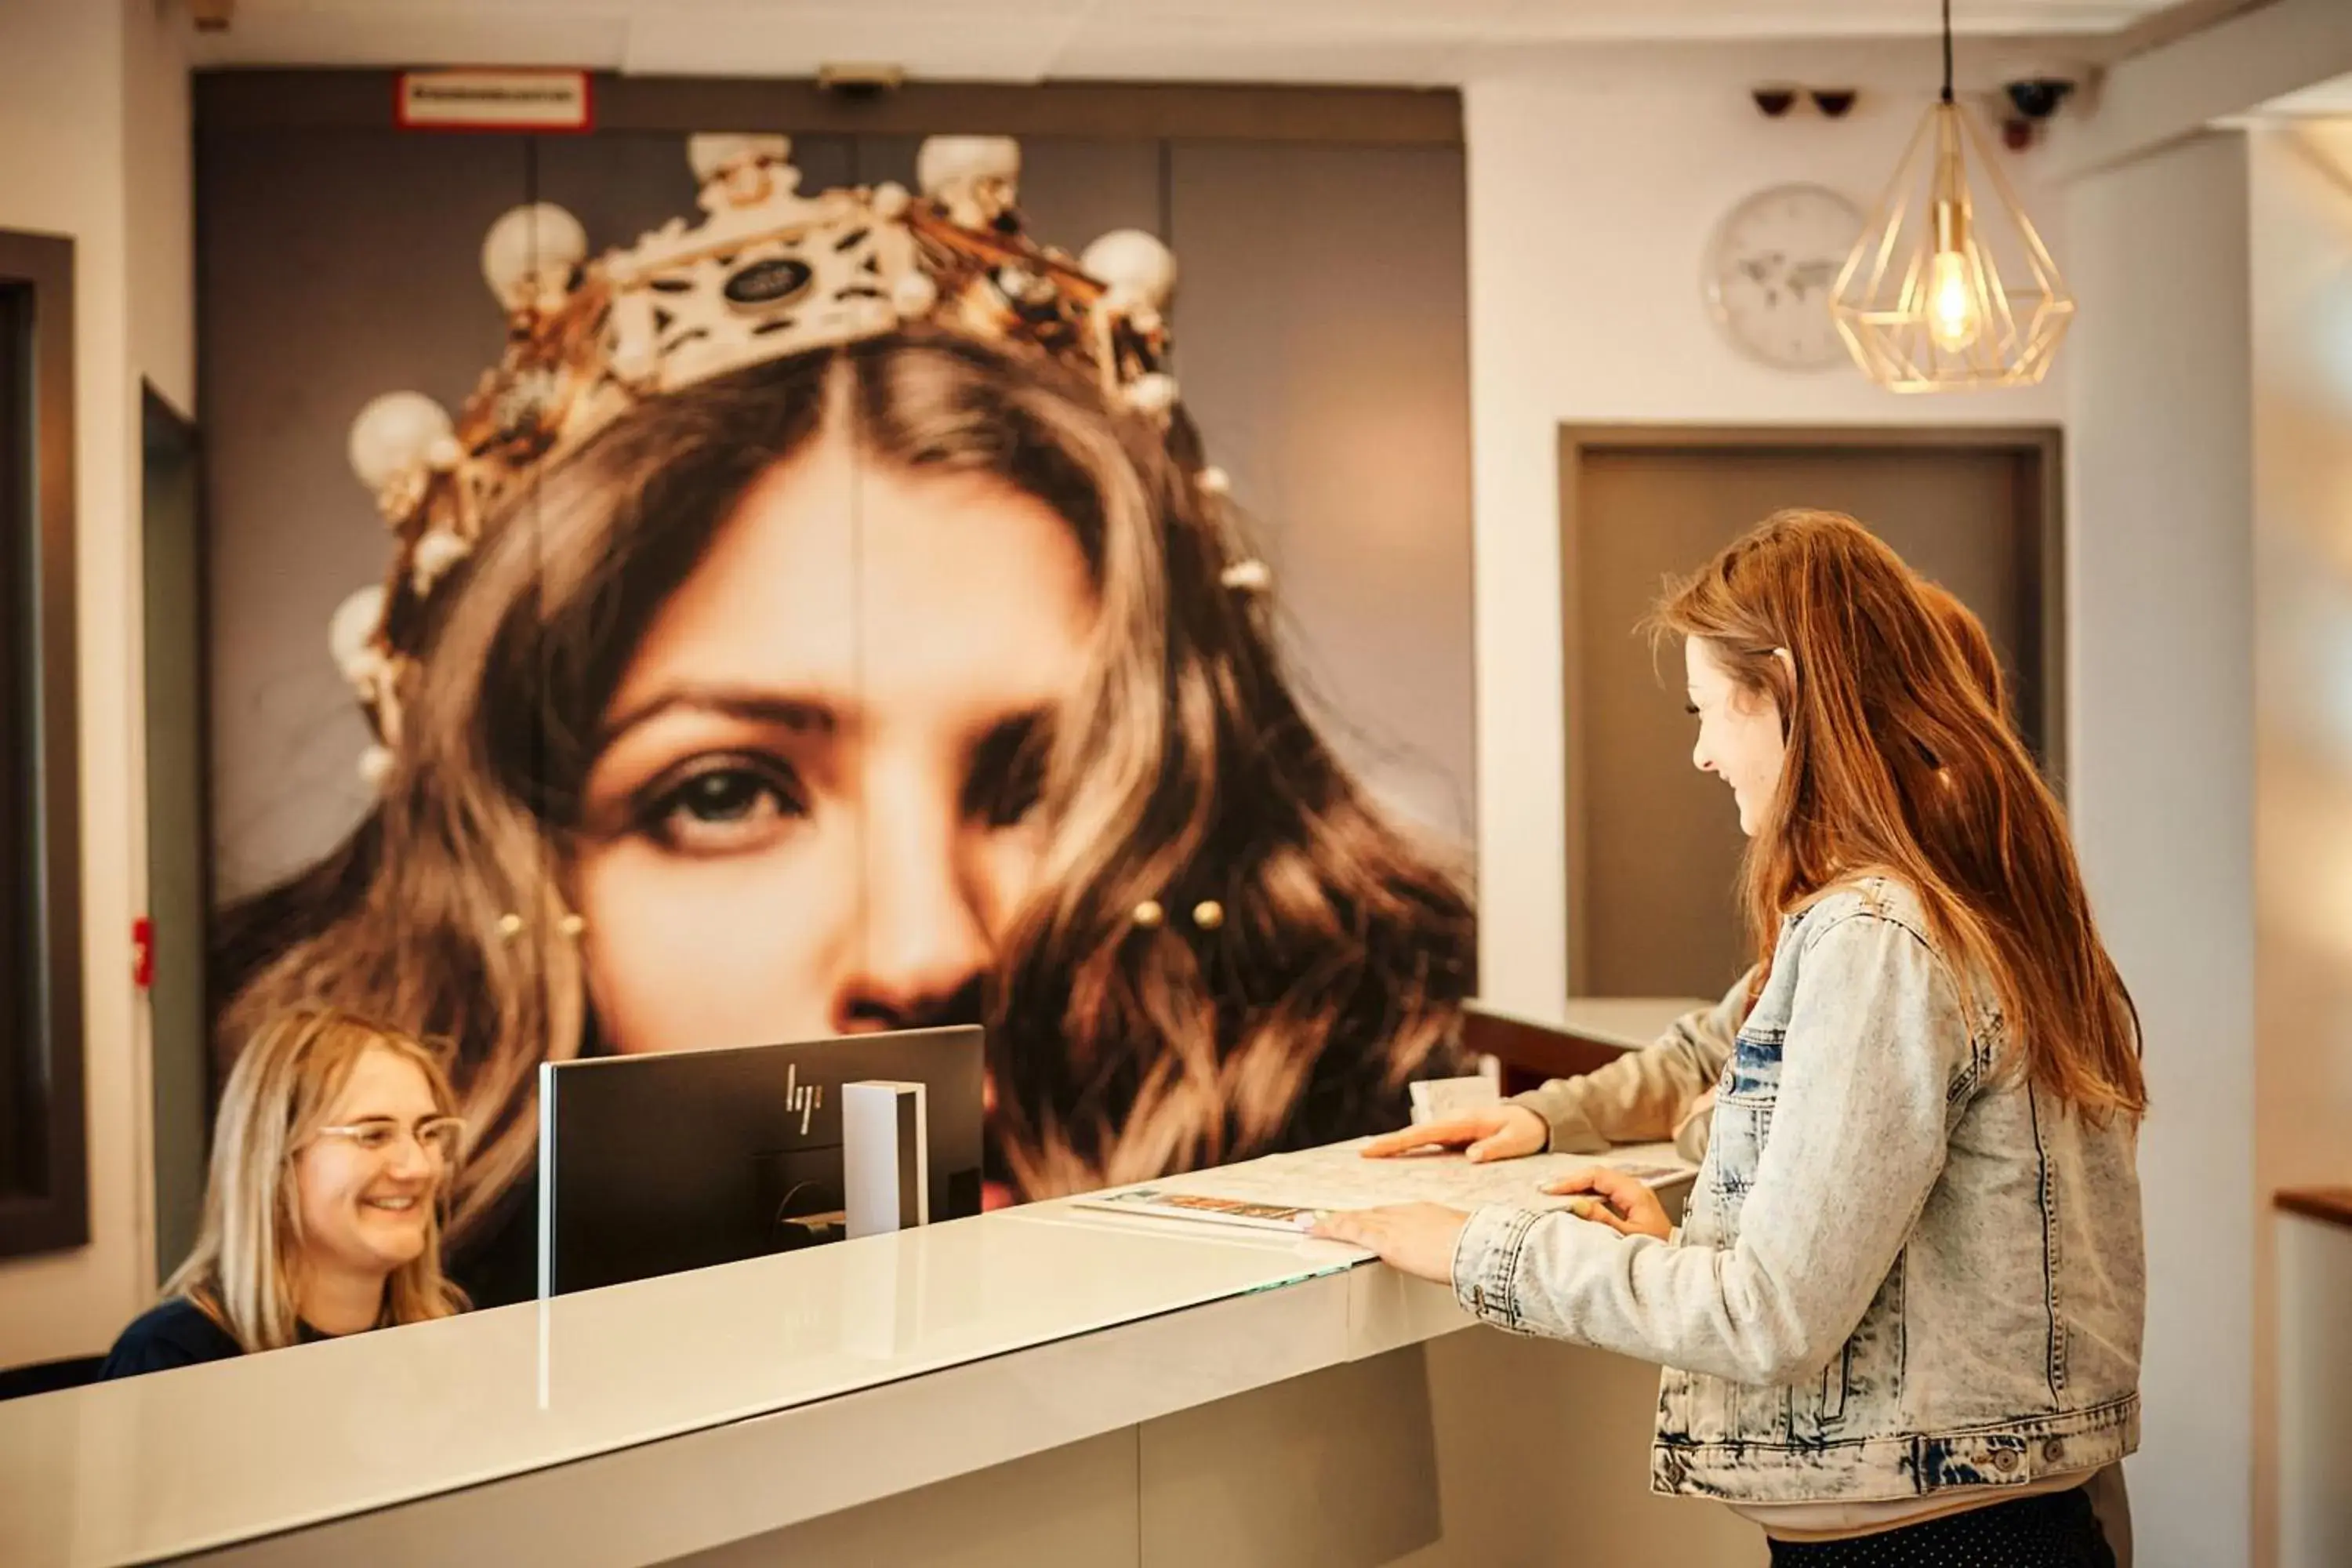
1902, 1318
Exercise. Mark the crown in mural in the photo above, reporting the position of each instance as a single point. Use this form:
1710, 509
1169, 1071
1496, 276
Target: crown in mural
767, 273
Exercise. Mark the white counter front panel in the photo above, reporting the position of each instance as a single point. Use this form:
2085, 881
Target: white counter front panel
176, 1462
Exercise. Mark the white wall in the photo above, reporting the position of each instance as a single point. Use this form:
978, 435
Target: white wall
2161, 751
158, 198
1594, 186
93, 118
2300, 193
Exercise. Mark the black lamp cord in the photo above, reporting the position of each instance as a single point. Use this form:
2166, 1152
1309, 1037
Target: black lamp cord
1947, 51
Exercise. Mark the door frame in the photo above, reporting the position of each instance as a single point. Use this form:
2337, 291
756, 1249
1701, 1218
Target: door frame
167, 432
159, 415
46, 1209
2041, 505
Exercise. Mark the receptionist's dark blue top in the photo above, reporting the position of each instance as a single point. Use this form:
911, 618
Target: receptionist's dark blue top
177, 1333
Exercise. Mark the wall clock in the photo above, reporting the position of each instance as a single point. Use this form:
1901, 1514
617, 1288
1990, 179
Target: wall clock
1770, 267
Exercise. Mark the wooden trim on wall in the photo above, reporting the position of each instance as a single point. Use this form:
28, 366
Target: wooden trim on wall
2330, 1205
1530, 1053
1573, 444
2043, 511
156, 410
262, 99
2051, 443
55, 1214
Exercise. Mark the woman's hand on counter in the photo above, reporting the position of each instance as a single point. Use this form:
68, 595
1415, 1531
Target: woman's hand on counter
1416, 1238
1628, 1206
1503, 1131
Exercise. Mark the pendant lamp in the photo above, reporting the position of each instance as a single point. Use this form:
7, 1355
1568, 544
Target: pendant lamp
1950, 287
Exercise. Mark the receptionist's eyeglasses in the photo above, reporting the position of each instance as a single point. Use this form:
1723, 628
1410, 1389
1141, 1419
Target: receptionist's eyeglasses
443, 1138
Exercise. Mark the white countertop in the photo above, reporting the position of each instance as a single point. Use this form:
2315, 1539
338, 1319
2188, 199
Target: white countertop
860, 1370
179, 1461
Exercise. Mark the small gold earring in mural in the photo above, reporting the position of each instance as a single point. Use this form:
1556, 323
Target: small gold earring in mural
509, 927
571, 925
1208, 914
1148, 914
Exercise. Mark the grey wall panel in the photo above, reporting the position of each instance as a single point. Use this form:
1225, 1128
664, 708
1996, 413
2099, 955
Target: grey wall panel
1322, 343
331, 266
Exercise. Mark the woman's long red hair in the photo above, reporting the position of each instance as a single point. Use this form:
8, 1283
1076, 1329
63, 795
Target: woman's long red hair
1900, 761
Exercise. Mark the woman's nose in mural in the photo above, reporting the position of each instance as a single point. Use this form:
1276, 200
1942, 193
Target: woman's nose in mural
925, 944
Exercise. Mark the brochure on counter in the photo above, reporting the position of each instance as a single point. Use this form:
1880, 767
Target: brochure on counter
1291, 1192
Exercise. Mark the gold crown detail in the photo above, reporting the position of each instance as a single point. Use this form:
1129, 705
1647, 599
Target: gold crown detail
767, 273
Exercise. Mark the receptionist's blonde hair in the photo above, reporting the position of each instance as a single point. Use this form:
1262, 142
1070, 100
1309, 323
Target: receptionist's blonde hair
283, 1087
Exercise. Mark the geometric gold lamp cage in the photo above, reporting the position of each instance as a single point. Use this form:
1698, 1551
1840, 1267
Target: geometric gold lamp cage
1950, 287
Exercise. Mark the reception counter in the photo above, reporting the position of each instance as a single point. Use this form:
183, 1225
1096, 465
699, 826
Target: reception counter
820, 1379
1035, 1385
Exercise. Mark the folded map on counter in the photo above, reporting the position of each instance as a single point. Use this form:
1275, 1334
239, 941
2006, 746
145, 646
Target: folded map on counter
1290, 1192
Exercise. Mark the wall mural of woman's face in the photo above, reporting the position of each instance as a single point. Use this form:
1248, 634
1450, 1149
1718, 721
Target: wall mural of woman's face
813, 808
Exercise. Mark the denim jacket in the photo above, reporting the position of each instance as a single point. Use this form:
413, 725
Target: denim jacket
1901, 1270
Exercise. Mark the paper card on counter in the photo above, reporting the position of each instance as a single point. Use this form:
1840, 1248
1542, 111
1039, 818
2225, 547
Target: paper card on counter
1290, 1192
1162, 1204
1434, 1098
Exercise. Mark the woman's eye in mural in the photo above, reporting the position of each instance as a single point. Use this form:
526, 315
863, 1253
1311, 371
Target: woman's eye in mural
723, 805
1007, 778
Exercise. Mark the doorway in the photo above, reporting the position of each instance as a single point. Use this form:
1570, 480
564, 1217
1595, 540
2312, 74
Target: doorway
1653, 847
180, 1076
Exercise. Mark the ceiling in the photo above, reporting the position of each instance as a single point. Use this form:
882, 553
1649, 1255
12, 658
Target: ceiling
2331, 98
1404, 41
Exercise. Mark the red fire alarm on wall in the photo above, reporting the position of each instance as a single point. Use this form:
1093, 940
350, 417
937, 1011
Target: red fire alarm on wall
143, 952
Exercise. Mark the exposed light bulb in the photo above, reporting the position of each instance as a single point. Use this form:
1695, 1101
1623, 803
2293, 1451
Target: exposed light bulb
1953, 319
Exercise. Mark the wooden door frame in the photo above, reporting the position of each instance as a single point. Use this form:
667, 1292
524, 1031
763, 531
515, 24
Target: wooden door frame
47, 1210
154, 410
161, 421
2042, 508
